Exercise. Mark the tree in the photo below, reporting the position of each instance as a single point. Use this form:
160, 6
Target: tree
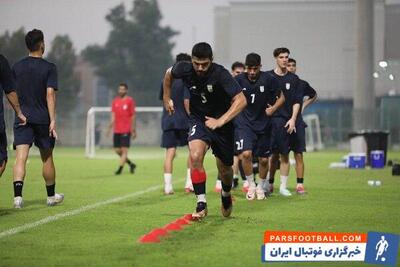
138, 50
62, 54
12, 46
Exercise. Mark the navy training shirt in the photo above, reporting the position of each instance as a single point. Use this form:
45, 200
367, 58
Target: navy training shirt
7, 85
33, 76
292, 90
265, 90
179, 120
307, 91
211, 94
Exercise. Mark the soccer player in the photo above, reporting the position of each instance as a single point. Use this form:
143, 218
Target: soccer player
36, 84
175, 129
284, 119
298, 140
215, 99
123, 121
236, 69
253, 123
8, 85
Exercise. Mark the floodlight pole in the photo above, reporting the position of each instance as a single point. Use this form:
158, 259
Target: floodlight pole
363, 93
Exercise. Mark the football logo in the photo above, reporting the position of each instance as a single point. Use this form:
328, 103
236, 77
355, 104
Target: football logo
210, 88
262, 88
287, 86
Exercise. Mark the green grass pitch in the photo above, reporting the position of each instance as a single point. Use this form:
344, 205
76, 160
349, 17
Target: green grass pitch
339, 200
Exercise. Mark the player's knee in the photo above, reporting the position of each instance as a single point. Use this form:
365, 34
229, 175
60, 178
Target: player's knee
2, 167
225, 171
197, 158
247, 155
284, 158
263, 162
299, 158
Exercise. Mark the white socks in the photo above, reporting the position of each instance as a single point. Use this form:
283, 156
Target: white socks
251, 181
201, 198
283, 182
188, 183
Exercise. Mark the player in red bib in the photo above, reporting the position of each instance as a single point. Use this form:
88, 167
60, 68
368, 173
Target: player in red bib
123, 123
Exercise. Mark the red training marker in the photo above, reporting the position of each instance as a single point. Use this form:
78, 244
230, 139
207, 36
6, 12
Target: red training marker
149, 238
173, 227
159, 232
181, 221
188, 217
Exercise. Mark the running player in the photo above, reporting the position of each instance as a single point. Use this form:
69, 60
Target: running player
8, 85
175, 129
36, 84
284, 120
253, 123
215, 99
123, 121
236, 69
298, 139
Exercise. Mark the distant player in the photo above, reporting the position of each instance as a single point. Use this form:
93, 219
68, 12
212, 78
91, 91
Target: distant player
175, 129
284, 119
36, 83
254, 122
123, 122
8, 86
236, 69
215, 99
298, 139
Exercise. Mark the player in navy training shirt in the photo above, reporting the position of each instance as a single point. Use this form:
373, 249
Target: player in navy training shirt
284, 119
7, 85
215, 99
254, 122
236, 69
36, 83
175, 129
298, 140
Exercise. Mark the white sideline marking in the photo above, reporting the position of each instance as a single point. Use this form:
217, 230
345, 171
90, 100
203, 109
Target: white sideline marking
59, 216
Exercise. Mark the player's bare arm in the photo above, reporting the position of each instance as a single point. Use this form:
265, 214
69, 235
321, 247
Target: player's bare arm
51, 105
239, 102
13, 100
270, 110
167, 84
308, 102
291, 123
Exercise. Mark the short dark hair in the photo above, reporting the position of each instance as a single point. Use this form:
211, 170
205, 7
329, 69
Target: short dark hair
292, 60
236, 65
202, 50
253, 60
33, 39
280, 50
183, 57
124, 85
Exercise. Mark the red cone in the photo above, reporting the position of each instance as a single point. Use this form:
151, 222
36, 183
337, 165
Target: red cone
149, 238
159, 232
173, 227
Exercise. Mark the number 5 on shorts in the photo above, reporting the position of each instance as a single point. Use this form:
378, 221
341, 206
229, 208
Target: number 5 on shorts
193, 130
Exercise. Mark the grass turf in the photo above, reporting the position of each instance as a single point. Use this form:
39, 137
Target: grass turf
339, 200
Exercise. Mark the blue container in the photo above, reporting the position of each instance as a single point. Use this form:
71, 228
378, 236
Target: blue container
377, 159
357, 160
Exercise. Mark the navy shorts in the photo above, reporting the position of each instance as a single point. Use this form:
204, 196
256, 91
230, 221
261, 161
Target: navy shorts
122, 140
174, 138
3, 147
221, 139
298, 139
280, 139
238, 145
33, 133
258, 143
